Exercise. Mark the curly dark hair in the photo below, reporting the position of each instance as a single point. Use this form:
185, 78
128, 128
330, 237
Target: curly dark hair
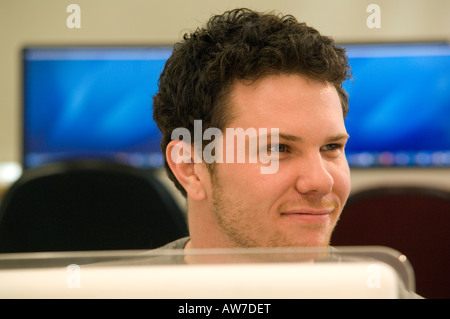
239, 45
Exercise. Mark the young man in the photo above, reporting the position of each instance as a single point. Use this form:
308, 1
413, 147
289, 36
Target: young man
280, 83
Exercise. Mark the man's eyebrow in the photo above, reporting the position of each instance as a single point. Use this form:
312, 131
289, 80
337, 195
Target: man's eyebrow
280, 136
338, 137
295, 138
289, 137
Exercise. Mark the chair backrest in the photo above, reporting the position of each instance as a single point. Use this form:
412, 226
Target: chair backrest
77, 206
412, 220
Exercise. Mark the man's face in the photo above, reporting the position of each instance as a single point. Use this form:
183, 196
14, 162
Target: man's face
300, 203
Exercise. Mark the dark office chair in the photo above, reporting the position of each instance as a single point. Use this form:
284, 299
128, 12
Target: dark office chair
78, 206
414, 221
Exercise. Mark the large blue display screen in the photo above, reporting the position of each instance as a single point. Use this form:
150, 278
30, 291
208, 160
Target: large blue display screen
91, 102
96, 102
399, 105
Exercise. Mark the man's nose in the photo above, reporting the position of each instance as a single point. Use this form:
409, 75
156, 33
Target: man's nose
313, 175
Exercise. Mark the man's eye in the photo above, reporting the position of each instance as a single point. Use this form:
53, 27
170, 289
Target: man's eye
277, 148
333, 147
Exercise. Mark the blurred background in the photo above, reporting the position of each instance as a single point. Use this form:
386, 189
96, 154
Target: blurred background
25, 23
87, 92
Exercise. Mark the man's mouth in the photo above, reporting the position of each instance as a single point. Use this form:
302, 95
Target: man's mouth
308, 215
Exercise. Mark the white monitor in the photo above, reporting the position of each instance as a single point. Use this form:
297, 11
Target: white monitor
369, 272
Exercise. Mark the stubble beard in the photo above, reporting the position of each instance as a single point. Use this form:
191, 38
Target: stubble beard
239, 232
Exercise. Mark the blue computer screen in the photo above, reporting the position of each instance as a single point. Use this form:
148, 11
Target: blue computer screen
96, 102
91, 102
399, 107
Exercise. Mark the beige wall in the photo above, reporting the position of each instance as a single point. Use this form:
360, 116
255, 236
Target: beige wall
25, 22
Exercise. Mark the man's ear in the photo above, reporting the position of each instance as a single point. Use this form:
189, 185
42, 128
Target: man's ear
180, 157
